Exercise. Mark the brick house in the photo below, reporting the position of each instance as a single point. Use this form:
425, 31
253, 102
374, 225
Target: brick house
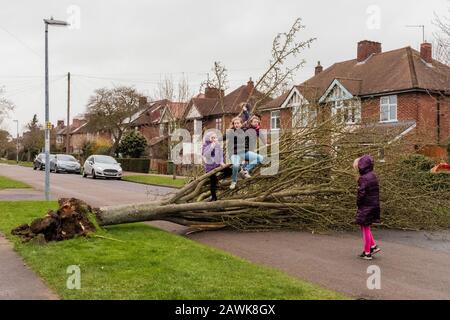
401, 88
214, 109
155, 123
79, 135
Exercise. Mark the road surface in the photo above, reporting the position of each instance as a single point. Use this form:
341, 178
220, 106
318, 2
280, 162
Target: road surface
413, 265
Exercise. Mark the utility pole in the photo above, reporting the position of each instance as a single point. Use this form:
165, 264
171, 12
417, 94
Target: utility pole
68, 115
17, 141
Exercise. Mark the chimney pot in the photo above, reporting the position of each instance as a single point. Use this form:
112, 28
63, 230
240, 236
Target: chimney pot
318, 69
426, 52
366, 48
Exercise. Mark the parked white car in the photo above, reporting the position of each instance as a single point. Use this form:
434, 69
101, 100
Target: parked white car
102, 166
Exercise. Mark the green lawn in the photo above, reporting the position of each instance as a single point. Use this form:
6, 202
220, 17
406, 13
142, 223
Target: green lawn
6, 183
156, 180
21, 163
148, 263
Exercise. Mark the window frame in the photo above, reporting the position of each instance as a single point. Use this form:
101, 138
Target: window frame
389, 105
219, 124
272, 118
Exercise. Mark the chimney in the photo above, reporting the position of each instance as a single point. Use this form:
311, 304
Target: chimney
60, 124
366, 48
250, 85
213, 93
319, 69
142, 101
426, 52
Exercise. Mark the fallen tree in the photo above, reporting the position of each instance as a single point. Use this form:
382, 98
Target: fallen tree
314, 189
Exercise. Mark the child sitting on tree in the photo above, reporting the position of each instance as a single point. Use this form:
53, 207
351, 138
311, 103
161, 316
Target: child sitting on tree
368, 201
239, 146
213, 157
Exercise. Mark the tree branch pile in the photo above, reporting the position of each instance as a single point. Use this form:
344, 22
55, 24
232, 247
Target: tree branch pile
313, 189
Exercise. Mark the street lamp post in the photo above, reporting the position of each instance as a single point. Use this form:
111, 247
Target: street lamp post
17, 141
60, 23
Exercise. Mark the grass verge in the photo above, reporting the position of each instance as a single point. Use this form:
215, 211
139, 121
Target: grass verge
164, 181
21, 163
7, 183
147, 263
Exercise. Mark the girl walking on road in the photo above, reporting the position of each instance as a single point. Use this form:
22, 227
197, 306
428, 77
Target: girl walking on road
368, 201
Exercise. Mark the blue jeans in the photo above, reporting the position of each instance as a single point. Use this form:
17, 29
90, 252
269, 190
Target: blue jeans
253, 160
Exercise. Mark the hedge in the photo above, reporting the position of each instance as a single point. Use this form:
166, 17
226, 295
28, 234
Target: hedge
141, 165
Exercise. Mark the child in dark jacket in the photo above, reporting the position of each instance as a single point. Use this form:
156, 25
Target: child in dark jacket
213, 157
368, 201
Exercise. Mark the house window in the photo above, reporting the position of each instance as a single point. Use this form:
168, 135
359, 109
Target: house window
162, 129
303, 115
219, 123
347, 112
275, 120
388, 109
197, 126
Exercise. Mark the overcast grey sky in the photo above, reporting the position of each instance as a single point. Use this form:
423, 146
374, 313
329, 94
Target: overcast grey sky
138, 42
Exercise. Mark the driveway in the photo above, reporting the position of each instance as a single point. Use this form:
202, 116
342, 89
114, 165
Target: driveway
413, 265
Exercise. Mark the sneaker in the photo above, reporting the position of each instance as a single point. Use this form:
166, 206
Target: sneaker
244, 174
374, 250
366, 256
233, 185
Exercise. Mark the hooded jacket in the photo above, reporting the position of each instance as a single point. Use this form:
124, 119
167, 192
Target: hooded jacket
368, 199
212, 155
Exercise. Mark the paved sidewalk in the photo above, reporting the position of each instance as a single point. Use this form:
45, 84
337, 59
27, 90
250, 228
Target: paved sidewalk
17, 281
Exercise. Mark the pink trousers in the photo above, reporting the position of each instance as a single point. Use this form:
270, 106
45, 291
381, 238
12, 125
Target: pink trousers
367, 238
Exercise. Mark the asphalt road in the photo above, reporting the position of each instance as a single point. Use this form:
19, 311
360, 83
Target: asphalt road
98, 192
412, 265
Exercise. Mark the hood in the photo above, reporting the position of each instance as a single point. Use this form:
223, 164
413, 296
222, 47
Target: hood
107, 165
365, 164
68, 163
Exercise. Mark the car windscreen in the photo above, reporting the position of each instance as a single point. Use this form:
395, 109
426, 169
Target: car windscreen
105, 159
42, 156
66, 158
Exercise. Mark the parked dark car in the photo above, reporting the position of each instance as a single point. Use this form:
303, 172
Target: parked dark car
65, 163
39, 161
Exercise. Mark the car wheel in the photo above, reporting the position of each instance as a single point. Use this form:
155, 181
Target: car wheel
34, 167
41, 167
93, 175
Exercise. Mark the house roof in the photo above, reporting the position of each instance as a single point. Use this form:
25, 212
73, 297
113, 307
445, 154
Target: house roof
396, 70
152, 114
376, 133
231, 101
81, 129
309, 93
173, 111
